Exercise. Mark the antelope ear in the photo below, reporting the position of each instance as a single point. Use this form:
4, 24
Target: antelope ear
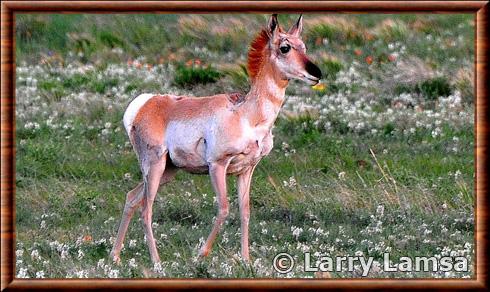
297, 28
272, 26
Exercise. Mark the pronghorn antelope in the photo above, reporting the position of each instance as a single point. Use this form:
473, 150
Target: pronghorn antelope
225, 134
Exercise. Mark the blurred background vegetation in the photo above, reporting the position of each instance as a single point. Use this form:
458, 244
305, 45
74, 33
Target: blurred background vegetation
222, 41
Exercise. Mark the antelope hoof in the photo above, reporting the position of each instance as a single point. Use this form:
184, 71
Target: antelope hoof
116, 259
246, 258
203, 252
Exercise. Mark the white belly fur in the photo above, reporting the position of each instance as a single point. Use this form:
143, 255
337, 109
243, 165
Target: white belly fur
188, 142
185, 144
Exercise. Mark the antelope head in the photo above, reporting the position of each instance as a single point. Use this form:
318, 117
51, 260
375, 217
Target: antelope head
288, 52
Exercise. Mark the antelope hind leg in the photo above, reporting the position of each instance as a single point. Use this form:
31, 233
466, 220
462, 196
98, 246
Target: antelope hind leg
133, 200
152, 182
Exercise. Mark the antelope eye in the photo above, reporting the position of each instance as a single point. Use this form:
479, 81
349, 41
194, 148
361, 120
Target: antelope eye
285, 49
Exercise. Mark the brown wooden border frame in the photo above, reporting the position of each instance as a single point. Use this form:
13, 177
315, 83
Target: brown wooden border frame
8, 10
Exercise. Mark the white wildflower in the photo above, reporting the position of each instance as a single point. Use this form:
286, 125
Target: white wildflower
380, 210
81, 274
132, 263
296, 231
457, 174
341, 175
35, 255
157, 268
100, 264
22, 273
64, 254
132, 243
113, 274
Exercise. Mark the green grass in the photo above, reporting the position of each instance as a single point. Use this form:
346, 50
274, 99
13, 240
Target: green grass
53, 179
188, 76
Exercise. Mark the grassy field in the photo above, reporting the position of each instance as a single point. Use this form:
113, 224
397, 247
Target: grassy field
379, 158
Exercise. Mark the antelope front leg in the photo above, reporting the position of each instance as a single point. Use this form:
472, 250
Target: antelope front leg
217, 171
243, 186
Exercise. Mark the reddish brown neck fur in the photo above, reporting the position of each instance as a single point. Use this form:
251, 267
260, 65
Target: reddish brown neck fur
256, 54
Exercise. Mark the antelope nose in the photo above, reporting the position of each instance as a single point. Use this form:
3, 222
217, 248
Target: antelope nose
313, 70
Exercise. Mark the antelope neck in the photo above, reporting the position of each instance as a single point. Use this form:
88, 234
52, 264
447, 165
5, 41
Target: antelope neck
265, 98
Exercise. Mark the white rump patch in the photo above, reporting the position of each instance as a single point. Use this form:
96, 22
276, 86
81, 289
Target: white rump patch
133, 109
